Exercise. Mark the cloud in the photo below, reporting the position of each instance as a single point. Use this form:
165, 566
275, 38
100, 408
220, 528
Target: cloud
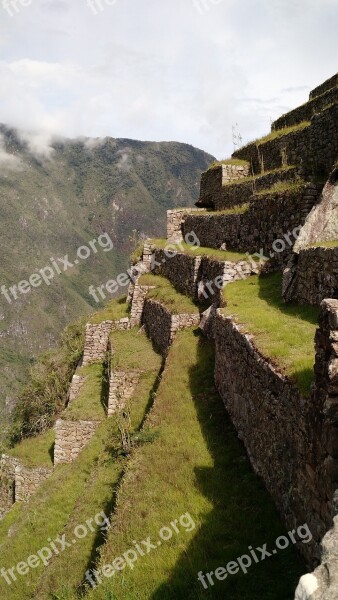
161, 71
7, 160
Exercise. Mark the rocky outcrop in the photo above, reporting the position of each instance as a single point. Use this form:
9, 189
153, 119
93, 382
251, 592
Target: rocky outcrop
323, 583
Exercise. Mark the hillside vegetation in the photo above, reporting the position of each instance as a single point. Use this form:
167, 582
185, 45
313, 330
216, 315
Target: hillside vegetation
51, 207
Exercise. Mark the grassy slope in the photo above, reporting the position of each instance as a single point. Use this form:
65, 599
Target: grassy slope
50, 208
76, 492
282, 332
195, 465
222, 255
167, 295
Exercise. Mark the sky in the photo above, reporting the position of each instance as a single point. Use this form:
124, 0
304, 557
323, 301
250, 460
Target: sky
180, 70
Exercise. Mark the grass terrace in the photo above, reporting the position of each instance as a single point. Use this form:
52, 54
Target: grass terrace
90, 403
282, 132
283, 187
283, 333
194, 465
235, 162
75, 493
221, 255
35, 451
252, 178
115, 310
166, 294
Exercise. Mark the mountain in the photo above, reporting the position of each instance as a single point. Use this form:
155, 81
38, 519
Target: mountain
51, 205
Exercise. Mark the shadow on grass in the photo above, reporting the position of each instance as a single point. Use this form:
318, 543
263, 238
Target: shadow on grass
242, 514
270, 290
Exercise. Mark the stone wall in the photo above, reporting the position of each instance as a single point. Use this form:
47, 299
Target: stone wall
139, 295
8, 465
316, 276
242, 192
292, 441
161, 325
70, 438
213, 181
75, 386
324, 87
121, 388
27, 481
180, 269
97, 339
313, 148
269, 218
174, 220
307, 110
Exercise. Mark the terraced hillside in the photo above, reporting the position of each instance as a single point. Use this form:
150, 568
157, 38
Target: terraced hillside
201, 422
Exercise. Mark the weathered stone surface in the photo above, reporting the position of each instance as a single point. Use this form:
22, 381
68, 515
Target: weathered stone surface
311, 276
291, 440
75, 386
161, 326
174, 220
323, 583
121, 388
70, 438
315, 147
214, 180
27, 481
271, 223
322, 223
97, 339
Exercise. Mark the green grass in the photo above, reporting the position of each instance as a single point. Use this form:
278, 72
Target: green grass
327, 244
166, 294
282, 132
283, 333
195, 465
282, 187
253, 178
213, 253
89, 404
36, 451
116, 309
236, 162
132, 351
75, 493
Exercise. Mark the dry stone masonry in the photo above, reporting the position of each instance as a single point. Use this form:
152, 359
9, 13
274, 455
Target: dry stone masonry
121, 388
312, 276
174, 220
161, 326
292, 441
27, 481
70, 438
97, 339
75, 386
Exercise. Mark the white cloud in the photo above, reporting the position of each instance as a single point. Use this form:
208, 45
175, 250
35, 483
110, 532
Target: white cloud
148, 70
8, 160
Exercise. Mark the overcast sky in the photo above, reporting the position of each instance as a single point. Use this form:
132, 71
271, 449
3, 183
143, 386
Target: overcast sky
184, 70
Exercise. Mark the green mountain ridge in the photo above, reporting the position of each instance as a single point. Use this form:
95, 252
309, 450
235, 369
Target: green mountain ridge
49, 207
